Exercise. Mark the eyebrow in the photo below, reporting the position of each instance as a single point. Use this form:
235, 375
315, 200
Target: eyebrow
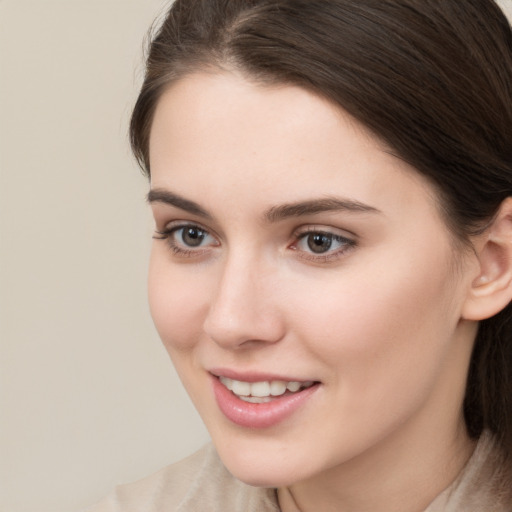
273, 214
327, 204
159, 195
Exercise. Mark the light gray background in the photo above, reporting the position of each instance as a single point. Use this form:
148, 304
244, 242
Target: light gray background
88, 398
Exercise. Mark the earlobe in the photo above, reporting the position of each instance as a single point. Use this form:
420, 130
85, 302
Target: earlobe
491, 290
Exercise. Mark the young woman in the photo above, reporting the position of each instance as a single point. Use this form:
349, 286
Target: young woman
331, 270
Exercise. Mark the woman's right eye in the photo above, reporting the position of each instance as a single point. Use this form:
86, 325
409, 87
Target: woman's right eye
188, 239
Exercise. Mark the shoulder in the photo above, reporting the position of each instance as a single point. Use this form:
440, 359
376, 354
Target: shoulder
198, 483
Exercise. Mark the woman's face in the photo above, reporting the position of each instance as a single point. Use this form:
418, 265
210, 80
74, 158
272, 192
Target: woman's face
304, 267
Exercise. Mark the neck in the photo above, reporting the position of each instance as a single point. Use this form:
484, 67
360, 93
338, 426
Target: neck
398, 475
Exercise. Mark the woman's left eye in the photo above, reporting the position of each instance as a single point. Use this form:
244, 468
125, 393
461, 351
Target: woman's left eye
322, 244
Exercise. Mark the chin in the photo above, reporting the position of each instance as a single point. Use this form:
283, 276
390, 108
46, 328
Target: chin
260, 464
261, 475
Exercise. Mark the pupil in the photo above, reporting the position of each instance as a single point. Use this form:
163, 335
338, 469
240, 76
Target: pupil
319, 243
193, 237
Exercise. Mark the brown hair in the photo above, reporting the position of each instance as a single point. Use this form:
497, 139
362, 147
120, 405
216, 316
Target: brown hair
432, 78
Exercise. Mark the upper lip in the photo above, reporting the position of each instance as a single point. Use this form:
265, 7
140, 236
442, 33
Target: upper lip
255, 376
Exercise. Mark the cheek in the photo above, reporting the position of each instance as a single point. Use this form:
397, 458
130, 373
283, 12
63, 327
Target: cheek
381, 331
178, 302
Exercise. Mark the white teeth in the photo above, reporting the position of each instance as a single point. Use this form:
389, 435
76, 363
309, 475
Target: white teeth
227, 382
241, 388
293, 386
256, 399
261, 392
260, 389
277, 387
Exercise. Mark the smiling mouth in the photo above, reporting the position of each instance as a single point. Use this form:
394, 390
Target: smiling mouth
263, 391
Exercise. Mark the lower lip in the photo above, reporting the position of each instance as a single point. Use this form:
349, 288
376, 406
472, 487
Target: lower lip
249, 415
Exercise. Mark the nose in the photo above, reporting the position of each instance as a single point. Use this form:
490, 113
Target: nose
245, 310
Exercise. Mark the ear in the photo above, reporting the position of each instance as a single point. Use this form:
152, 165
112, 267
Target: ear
491, 290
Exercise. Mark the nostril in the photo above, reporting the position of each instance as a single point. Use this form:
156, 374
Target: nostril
242, 329
243, 312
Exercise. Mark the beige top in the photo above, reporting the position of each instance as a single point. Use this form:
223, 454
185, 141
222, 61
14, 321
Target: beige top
200, 483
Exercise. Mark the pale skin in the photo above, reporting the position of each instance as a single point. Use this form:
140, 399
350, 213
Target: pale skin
384, 318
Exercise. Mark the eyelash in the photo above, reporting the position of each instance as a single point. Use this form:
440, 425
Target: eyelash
169, 233
331, 255
299, 236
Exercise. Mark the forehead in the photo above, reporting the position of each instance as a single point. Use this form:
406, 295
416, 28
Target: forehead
214, 131
204, 101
